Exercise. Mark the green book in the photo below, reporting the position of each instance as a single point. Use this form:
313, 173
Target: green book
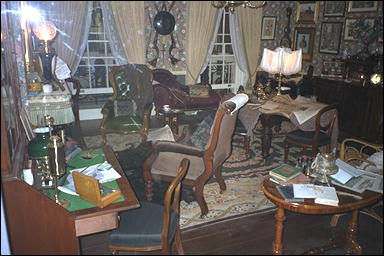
285, 172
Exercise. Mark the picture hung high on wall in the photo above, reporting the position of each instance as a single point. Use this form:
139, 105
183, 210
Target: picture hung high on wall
330, 37
354, 27
334, 8
307, 11
268, 28
304, 39
362, 6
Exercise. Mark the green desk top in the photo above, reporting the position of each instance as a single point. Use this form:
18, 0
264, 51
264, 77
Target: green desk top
78, 161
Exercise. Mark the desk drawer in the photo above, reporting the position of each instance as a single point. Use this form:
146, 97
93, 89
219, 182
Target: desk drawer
96, 224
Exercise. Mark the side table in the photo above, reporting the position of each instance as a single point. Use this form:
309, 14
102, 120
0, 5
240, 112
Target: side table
348, 202
172, 119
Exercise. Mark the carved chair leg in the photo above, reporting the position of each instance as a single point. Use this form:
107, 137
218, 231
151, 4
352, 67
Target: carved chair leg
149, 190
199, 196
178, 243
286, 151
220, 180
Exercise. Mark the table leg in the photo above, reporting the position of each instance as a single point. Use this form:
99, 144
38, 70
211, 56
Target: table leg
277, 245
267, 123
351, 234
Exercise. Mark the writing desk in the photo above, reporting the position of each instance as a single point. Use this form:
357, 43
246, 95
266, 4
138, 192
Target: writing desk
250, 114
346, 204
38, 225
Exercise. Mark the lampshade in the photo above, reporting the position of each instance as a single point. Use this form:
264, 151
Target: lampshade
281, 61
45, 30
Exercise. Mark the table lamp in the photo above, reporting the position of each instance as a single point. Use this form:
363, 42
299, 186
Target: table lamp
282, 61
46, 32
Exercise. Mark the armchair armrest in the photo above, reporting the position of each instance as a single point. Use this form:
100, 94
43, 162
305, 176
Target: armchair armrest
169, 146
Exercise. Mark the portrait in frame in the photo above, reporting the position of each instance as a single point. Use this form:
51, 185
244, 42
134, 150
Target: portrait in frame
330, 37
349, 30
268, 28
362, 6
307, 11
304, 39
334, 8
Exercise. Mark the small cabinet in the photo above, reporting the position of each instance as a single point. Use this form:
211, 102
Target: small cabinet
360, 107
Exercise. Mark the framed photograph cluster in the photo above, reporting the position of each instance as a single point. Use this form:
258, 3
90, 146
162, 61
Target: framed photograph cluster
330, 37
268, 28
304, 39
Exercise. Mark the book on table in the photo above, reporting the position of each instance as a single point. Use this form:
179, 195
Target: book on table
299, 179
321, 194
285, 172
287, 193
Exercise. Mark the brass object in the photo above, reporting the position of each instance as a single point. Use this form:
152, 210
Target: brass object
56, 155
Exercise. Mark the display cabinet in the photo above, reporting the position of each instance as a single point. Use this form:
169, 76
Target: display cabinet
360, 107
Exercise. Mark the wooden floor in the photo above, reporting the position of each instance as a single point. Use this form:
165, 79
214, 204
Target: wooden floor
253, 234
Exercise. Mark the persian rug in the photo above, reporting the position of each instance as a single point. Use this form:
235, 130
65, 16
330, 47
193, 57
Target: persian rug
243, 176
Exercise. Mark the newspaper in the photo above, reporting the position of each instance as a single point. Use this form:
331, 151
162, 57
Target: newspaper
366, 181
102, 172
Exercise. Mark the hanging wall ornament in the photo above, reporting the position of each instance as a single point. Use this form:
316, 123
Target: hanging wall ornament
164, 23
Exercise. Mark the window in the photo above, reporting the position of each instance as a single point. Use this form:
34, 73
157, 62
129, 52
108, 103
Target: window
222, 70
97, 60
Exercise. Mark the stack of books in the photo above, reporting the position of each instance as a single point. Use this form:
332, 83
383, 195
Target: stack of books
286, 174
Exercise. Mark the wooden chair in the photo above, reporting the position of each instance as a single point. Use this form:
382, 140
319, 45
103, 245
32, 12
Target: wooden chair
205, 162
356, 152
76, 109
129, 109
321, 136
152, 226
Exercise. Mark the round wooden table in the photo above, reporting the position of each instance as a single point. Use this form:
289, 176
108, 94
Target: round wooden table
348, 201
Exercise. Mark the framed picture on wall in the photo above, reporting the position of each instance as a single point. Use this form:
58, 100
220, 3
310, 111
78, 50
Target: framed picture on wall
307, 11
334, 8
304, 39
352, 27
330, 37
362, 6
268, 28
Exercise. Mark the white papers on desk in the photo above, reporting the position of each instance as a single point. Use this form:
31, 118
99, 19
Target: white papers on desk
321, 194
102, 172
345, 172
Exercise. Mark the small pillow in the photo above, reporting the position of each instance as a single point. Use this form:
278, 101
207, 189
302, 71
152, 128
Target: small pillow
202, 134
377, 159
199, 90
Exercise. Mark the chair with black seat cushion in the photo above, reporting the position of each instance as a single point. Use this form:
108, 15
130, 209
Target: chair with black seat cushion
152, 226
321, 136
129, 109
240, 130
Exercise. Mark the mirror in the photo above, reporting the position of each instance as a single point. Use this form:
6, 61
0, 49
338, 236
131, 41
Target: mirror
164, 23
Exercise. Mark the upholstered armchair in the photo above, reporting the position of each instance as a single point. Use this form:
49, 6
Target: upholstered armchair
129, 109
168, 91
204, 162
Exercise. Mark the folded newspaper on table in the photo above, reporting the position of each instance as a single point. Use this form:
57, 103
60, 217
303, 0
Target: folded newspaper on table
355, 179
102, 172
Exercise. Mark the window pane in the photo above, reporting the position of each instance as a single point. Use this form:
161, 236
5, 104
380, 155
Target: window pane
97, 49
219, 39
217, 50
82, 74
226, 26
228, 49
227, 39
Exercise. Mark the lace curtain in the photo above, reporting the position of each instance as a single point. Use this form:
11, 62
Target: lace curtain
202, 19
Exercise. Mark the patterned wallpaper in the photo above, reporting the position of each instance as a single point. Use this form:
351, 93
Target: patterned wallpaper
278, 8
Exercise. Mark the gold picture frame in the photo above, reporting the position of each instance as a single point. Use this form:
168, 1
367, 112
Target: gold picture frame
304, 39
307, 12
268, 28
362, 6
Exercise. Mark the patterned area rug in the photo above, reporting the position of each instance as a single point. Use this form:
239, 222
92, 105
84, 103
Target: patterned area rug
243, 175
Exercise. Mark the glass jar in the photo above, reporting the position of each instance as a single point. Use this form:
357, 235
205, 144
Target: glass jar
38, 146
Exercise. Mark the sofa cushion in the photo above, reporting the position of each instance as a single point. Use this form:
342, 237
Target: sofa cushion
199, 90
